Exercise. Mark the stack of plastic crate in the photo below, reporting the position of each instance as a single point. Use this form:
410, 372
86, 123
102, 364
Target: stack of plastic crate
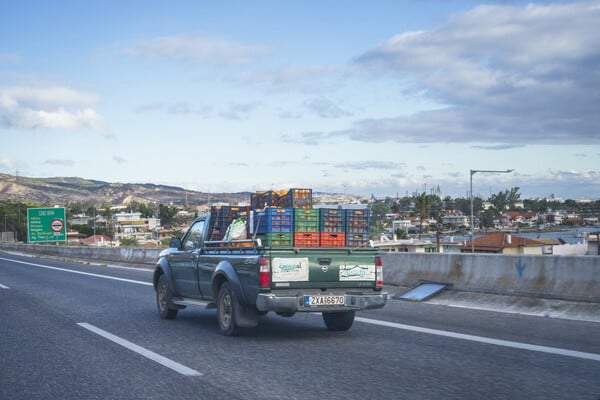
306, 227
221, 217
274, 226
332, 226
357, 228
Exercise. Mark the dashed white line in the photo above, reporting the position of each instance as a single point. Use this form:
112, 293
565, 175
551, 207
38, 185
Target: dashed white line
482, 339
454, 335
78, 272
175, 366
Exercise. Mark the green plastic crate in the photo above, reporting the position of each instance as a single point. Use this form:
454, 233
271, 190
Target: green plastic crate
306, 219
277, 239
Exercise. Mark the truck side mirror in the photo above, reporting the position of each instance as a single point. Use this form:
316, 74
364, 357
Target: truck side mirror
175, 243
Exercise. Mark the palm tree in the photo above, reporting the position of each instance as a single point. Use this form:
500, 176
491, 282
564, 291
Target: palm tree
422, 205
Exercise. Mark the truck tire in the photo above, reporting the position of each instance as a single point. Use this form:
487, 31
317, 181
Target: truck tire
227, 309
163, 299
338, 321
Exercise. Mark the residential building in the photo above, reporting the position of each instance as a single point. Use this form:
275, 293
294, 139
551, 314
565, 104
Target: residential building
132, 225
504, 243
455, 219
406, 246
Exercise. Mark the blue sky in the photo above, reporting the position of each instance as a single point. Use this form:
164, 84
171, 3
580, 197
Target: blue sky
378, 97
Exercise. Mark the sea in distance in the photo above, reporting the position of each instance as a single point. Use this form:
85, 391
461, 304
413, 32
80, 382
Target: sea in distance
566, 236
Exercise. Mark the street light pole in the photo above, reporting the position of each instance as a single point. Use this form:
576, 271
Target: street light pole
473, 172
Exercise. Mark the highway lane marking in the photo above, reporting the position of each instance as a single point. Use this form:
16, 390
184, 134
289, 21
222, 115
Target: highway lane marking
482, 339
454, 335
175, 366
78, 272
3, 287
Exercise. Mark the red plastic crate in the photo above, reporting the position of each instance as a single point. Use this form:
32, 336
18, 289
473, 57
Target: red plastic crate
332, 239
306, 239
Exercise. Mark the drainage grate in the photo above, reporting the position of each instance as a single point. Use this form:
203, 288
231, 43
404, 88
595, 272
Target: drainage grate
423, 292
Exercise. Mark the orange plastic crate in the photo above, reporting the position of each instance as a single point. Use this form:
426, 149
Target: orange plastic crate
306, 239
332, 239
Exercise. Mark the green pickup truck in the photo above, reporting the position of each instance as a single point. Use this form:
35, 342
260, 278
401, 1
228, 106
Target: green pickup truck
243, 280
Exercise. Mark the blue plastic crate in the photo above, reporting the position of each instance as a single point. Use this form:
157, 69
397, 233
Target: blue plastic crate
357, 221
332, 220
273, 220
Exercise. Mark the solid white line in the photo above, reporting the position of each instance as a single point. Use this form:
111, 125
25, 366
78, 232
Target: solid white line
78, 272
182, 369
3, 287
482, 339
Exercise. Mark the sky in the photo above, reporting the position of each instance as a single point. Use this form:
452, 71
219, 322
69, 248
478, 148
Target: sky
379, 98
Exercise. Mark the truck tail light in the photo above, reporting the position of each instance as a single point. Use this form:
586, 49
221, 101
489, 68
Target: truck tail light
265, 272
378, 272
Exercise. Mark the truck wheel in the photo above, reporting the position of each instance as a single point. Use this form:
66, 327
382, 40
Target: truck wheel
163, 299
227, 309
338, 321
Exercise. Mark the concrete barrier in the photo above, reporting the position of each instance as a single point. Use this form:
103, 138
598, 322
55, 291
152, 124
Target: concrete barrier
554, 277
109, 254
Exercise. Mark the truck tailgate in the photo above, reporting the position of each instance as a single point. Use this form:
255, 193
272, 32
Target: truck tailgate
323, 268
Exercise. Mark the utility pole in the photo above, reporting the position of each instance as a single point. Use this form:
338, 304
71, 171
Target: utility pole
473, 172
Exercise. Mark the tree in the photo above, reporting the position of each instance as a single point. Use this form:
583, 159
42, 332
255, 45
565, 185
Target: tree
401, 234
379, 222
448, 203
500, 200
167, 215
514, 197
464, 205
422, 207
507, 199
487, 218
130, 242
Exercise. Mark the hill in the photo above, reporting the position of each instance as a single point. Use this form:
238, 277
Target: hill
63, 190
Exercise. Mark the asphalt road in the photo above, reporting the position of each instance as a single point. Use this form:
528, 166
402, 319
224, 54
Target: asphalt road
77, 331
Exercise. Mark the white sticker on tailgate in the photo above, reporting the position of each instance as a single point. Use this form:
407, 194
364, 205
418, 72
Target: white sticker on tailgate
290, 269
356, 272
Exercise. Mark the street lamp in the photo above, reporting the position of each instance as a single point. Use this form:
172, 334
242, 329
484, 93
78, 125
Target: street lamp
473, 172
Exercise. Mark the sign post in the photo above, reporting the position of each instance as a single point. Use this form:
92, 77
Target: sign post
46, 225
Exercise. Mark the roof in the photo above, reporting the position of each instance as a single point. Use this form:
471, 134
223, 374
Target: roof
96, 238
497, 241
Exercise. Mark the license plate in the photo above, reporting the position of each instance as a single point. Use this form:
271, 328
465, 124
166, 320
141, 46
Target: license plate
313, 301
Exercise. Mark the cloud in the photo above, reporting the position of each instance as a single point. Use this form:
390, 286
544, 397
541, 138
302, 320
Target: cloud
325, 108
195, 49
239, 112
180, 108
505, 74
49, 107
305, 138
289, 115
362, 165
498, 147
119, 159
312, 79
59, 162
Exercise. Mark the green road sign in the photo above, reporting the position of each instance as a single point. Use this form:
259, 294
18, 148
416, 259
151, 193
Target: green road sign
46, 225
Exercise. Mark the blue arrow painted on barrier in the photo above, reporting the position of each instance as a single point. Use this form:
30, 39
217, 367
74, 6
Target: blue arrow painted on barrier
520, 267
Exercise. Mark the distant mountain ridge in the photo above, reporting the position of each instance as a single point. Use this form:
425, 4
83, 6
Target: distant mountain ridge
63, 190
